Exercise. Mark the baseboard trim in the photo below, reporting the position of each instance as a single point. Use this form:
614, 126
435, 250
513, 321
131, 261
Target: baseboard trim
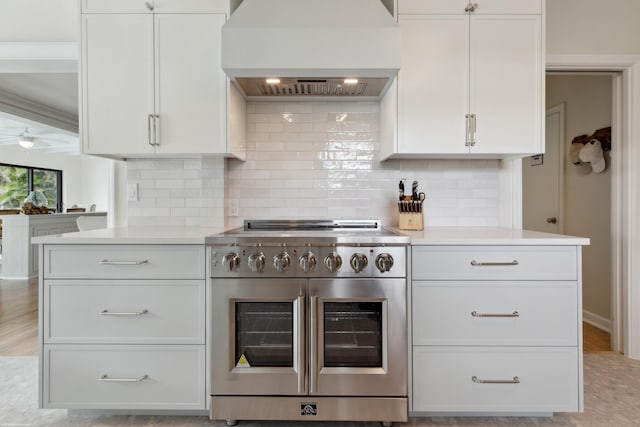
596, 320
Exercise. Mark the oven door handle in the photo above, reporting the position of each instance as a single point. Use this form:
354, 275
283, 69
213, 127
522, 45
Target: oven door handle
301, 345
313, 346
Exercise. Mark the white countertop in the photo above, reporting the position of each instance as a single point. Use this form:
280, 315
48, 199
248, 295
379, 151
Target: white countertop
158, 235
196, 236
487, 236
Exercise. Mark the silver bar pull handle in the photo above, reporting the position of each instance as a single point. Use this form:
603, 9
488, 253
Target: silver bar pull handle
156, 117
473, 130
313, 346
476, 314
301, 345
105, 378
467, 131
107, 262
477, 380
493, 264
106, 312
149, 119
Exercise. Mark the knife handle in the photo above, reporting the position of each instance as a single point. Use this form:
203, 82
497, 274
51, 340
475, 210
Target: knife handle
401, 188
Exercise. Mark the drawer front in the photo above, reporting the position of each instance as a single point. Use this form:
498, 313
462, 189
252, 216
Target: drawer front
443, 379
125, 311
497, 7
137, 377
494, 263
495, 313
124, 262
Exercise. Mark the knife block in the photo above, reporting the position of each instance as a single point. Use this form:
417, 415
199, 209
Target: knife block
411, 221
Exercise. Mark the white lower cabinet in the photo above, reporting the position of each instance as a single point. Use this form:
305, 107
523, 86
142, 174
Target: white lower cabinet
496, 329
124, 327
481, 379
125, 311
124, 377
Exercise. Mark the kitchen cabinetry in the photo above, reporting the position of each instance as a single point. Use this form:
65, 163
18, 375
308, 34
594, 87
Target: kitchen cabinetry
496, 329
152, 82
123, 327
470, 82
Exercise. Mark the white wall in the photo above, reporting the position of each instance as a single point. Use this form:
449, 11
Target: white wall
84, 178
593, 27
587, 201
39, 20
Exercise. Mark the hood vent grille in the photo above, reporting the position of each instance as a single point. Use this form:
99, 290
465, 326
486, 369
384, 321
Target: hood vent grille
311, 87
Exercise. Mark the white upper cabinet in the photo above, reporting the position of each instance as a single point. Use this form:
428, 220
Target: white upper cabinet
152, 83
190, 91
470, 81
117, 82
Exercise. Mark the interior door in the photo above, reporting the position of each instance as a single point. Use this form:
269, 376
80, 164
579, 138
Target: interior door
542, 188
259, 338
357, 337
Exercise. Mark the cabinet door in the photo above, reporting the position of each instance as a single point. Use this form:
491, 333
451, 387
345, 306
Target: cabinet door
191, 6
155, 6
432, 6
506, 6
506, 83
191, 88
116, 6
117, 83
433, 84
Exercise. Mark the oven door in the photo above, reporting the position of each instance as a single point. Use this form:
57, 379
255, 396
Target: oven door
358, 337
259, 337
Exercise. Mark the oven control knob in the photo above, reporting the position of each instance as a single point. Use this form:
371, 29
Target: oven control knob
256, 262
231, 261
384, 262
307, 262
282, 262
358, 262
333, 262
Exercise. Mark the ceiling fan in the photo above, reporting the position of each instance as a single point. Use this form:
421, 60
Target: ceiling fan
28, 139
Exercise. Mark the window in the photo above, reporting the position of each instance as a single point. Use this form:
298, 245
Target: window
16, 182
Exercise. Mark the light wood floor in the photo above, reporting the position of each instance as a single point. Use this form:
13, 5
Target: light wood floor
19, 321
18, 317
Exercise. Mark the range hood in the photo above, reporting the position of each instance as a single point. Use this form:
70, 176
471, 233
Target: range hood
311, 48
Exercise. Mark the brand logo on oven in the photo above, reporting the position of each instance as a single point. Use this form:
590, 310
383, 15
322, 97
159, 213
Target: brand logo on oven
308, 409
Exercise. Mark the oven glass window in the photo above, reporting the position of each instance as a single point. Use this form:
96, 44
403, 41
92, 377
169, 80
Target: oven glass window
353, 334
264, 334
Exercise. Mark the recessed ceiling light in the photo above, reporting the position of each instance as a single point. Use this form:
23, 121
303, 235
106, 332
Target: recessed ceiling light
273, 81
350, 81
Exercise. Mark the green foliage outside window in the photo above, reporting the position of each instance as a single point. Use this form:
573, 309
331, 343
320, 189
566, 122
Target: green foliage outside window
15, 180
13, 186
47, 182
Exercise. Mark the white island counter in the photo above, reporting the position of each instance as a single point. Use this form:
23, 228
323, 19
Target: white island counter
495, 320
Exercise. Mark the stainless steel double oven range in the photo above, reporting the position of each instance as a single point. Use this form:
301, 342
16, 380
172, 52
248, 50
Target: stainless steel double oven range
309, 322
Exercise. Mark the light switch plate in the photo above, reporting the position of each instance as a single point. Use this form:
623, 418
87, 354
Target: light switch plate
132, 192
234, 208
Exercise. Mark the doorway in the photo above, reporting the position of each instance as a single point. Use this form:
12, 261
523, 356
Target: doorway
564, 197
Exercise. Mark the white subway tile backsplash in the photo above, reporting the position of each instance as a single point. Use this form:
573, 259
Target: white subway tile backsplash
311, 160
